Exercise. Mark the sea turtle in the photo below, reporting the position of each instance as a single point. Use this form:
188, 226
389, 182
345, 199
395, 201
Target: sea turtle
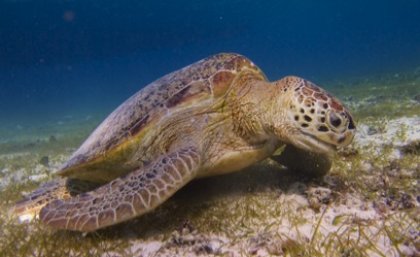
215, 116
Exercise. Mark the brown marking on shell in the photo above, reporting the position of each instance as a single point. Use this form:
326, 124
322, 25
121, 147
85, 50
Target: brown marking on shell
221, 82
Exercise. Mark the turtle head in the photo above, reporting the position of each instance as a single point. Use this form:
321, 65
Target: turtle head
315, 120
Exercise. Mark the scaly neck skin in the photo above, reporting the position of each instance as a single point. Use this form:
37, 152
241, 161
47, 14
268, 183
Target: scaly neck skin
257, 111
277, 118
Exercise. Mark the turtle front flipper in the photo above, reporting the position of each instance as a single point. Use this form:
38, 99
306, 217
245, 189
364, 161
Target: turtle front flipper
124, 198
61, 188
298, 160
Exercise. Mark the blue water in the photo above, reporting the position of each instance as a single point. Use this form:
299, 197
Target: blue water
70, 58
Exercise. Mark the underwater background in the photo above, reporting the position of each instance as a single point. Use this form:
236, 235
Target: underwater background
79, 58
65, 65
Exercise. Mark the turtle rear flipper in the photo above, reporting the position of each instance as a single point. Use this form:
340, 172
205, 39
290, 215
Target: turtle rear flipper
304, 162
124, 198
61, 188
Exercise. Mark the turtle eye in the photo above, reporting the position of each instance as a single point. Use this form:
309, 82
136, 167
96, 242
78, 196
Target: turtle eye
334, 120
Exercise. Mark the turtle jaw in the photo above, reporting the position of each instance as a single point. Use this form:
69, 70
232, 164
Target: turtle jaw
311, 143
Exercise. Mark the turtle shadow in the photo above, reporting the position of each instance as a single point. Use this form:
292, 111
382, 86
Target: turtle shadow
199, 196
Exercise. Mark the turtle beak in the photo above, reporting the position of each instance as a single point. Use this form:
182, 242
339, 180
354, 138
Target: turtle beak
308, 142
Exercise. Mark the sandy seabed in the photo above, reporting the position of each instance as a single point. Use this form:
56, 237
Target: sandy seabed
367, 205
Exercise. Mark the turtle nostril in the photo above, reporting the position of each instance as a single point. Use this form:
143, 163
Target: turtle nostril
335, 120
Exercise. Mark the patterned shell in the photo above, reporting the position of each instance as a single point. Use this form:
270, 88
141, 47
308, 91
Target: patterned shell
203, 80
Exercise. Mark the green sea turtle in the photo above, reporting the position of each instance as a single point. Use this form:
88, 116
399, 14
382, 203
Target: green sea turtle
215, 116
